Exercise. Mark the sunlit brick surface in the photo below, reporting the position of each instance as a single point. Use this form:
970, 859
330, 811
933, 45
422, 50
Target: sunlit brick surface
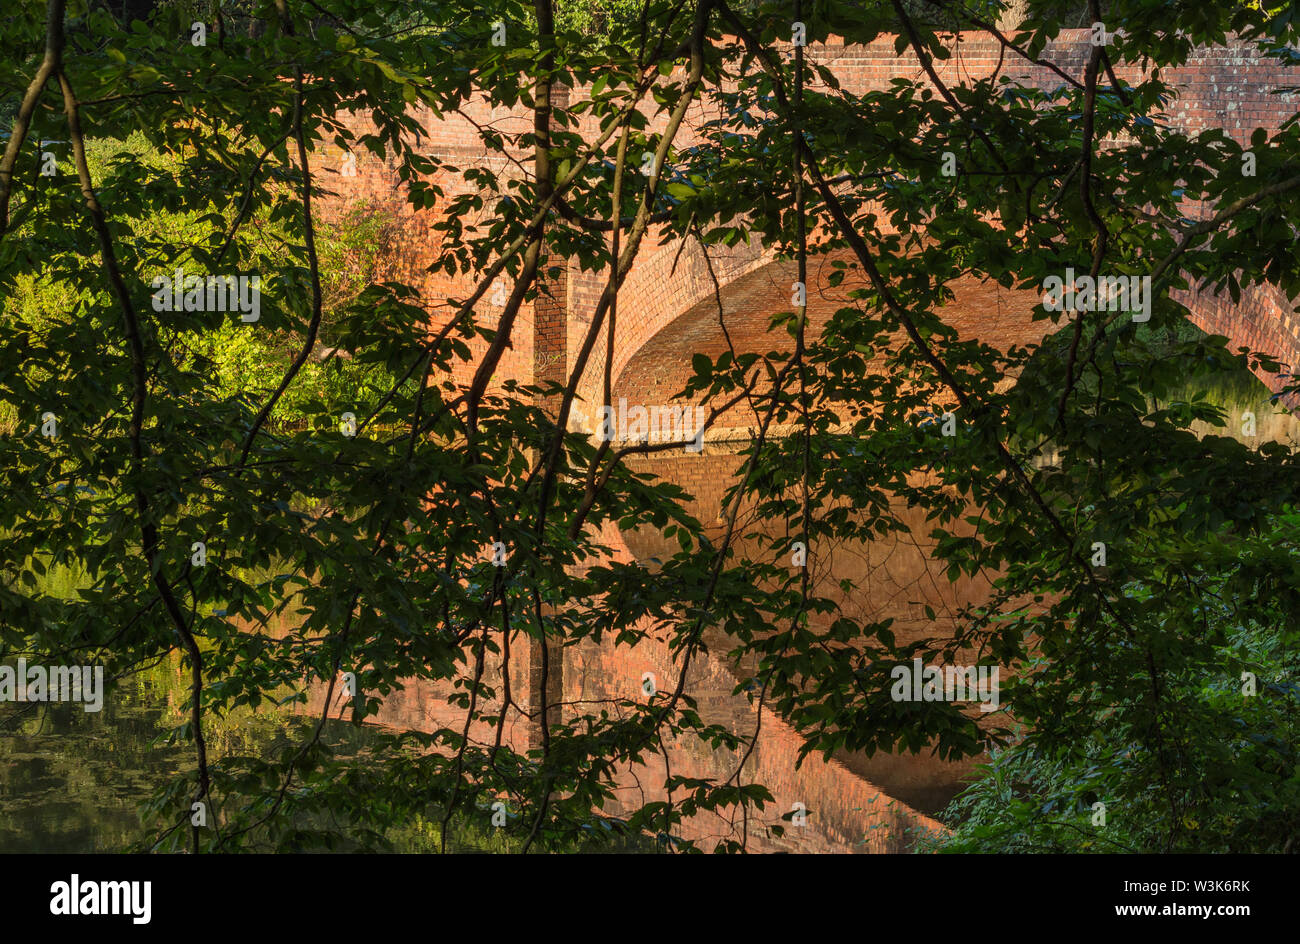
666, 312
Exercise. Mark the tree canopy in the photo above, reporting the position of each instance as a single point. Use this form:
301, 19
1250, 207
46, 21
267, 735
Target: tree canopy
134, 432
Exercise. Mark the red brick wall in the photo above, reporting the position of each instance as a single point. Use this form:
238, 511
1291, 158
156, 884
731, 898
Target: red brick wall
667, 312
1228, 87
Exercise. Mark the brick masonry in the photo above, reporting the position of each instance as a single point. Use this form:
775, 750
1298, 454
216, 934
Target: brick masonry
666, 311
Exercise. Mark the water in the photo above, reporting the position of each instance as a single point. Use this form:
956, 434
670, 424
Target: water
73, 781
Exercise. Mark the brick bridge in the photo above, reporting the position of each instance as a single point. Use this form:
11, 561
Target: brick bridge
668, 311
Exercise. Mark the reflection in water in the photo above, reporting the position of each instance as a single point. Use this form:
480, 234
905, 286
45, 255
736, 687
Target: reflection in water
73, 781
887, 579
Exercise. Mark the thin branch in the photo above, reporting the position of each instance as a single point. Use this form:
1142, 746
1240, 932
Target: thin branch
51, 64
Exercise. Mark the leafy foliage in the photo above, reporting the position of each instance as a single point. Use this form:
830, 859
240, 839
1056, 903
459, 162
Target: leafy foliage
174, 428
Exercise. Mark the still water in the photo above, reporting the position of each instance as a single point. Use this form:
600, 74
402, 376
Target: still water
76, 781
72, 780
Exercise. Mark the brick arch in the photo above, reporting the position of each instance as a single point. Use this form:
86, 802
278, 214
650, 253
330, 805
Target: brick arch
892, 578
1229, 87
652, 357
1263, 320
656, 368
666, 282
